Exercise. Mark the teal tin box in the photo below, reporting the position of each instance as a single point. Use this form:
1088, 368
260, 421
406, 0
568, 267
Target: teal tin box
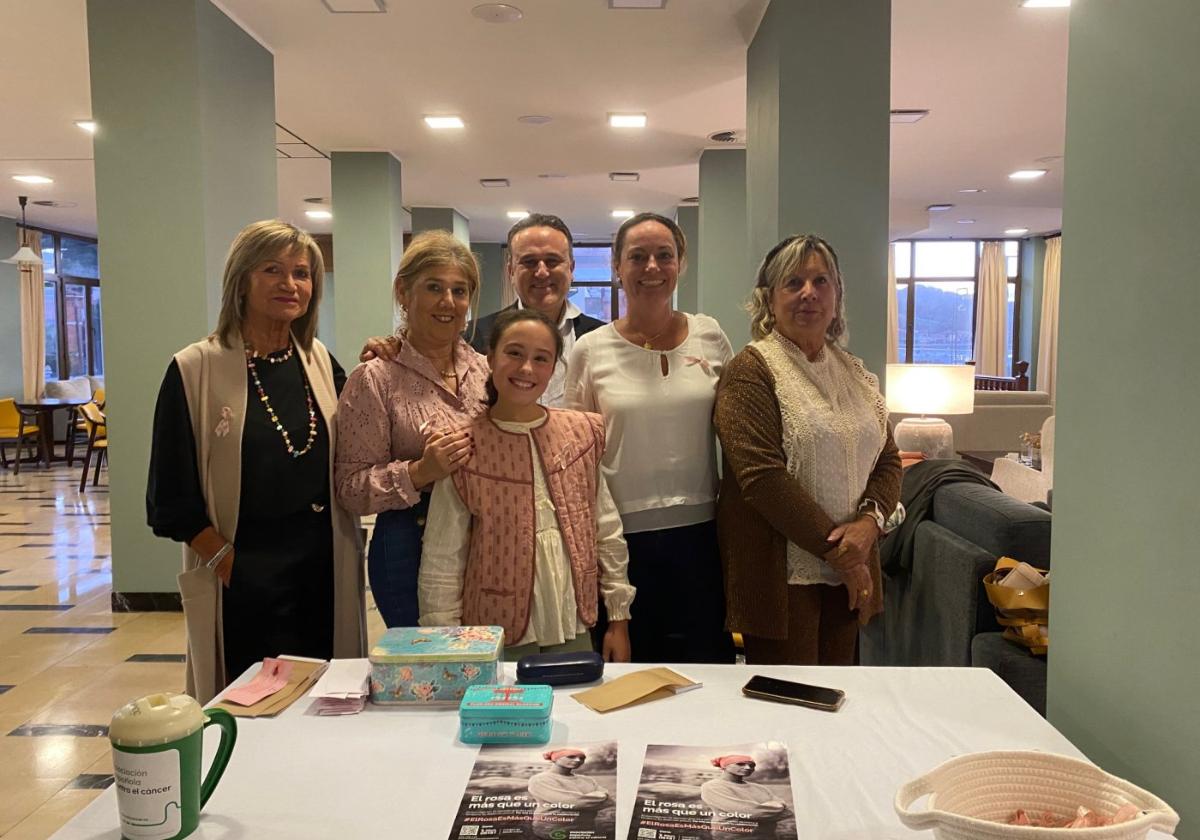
505, 714
433, 666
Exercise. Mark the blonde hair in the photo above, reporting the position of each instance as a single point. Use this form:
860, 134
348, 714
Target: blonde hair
256, 243
432, 250
780, 263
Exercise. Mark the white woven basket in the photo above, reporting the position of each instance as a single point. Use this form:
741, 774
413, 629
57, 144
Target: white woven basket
973, 796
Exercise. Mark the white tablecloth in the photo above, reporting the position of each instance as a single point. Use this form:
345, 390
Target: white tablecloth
400, 772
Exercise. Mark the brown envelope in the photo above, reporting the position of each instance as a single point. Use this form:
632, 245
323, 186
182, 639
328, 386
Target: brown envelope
635, 688
304, 675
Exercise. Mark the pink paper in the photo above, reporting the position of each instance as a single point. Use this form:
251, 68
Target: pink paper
272, 676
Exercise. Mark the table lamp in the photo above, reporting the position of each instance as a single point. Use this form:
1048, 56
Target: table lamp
929, 390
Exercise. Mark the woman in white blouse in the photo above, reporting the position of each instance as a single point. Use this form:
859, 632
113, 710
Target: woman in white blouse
811, 471
653, 374
525, 535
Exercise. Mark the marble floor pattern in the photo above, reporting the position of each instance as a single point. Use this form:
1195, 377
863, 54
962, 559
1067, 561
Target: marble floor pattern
66, 660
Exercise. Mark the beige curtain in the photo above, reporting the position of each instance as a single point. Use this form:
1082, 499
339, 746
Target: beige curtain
991, 312
33, 320
893, 325
1047, 366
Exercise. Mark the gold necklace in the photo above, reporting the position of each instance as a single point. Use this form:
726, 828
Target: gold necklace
646, 345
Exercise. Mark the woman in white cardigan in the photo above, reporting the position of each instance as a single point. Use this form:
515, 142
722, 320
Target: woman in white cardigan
241, 468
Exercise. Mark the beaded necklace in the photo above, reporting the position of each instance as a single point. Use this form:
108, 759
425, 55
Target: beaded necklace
262, 396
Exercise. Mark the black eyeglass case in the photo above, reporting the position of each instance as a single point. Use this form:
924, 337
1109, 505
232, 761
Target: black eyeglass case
560, 668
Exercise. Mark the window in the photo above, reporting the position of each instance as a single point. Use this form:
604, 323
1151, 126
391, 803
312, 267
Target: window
74, 340
935, 298
595, 291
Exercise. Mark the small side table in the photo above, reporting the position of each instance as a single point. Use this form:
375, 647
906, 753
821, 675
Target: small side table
43, 410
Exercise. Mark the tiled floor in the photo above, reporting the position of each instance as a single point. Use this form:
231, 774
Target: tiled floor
66, 660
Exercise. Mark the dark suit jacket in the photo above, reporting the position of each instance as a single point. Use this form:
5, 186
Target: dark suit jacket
480, 330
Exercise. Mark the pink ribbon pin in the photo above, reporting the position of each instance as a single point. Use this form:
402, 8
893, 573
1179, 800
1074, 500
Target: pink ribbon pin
223, 425
696, 360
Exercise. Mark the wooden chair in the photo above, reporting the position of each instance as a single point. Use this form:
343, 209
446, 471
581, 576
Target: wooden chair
77, 432
1018, 382
14, 429
97, 430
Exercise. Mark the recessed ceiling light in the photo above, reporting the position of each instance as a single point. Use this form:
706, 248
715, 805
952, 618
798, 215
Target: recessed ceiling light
1016, 231
355, 7
552, 176
516, 215
939, 208
637, 4
493, 183
973, 190
622, 214
1045, 4
534, 119
33, 179
909, 115
1027, 174
444, 122
497, 13
87, 125
318, 214
627, 120
966, 221
624, 176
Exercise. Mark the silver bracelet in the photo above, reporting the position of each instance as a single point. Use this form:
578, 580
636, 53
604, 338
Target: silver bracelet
219, 556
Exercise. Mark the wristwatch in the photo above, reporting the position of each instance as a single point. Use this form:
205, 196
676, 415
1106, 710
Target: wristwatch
870, 507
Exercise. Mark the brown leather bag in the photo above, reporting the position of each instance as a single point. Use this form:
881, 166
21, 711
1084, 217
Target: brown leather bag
1023, 611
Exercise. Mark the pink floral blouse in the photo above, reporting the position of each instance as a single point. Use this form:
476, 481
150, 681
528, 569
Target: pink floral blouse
379, 420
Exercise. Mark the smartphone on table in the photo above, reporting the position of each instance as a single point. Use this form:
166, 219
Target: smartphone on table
799, 694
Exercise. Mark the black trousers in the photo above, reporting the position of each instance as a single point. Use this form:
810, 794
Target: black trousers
280, 595
679, 611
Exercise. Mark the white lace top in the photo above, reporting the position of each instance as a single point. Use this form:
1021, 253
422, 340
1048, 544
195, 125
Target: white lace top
834, 428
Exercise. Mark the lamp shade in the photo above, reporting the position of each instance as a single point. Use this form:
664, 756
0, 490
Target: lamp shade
25, 254
931, 389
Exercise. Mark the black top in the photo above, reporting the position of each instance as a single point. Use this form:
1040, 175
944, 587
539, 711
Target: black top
480, 330
274, 484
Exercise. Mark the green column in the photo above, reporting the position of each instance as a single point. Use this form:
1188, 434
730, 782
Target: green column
368, 235
687, 293
491, 257
817, 123
723, 258
1125, 665
441, 218
184, 158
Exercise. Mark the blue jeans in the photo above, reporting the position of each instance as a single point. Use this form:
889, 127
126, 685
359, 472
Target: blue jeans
393, 560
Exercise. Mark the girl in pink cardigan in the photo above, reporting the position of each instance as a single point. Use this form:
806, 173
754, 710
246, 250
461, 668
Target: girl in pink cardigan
526, 535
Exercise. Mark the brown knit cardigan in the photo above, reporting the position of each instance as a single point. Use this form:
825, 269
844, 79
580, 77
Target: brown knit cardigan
762, 507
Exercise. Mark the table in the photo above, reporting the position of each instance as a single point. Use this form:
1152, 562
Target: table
400, 772
44, 410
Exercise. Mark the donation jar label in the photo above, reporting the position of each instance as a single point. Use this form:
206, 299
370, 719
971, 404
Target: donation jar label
148, 793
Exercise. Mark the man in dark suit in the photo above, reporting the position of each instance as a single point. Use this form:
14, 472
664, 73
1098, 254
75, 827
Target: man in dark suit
541, 267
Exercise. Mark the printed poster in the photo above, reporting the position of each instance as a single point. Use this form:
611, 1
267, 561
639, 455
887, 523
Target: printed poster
740, 792
562, 792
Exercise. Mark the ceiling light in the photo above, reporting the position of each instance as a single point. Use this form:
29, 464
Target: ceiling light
1045, 4
25, 255
637, 4
909, 115
627, 120
552, 176
622, 214
318, 214
534, 119
444, 122
87, 125
517, 215
1016, 231
33, 179
1027, 174
939, 208
966, 221
493, 183
973, 190
624, 176
497, 13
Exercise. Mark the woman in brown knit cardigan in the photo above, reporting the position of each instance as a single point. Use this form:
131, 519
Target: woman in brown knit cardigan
811, 471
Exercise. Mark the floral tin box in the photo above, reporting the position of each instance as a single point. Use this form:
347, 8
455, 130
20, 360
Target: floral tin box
434, 666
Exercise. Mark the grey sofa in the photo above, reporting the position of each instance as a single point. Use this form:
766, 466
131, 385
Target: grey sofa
939, 614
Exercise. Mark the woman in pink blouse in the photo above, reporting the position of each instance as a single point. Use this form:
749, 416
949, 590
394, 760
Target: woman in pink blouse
401, 421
